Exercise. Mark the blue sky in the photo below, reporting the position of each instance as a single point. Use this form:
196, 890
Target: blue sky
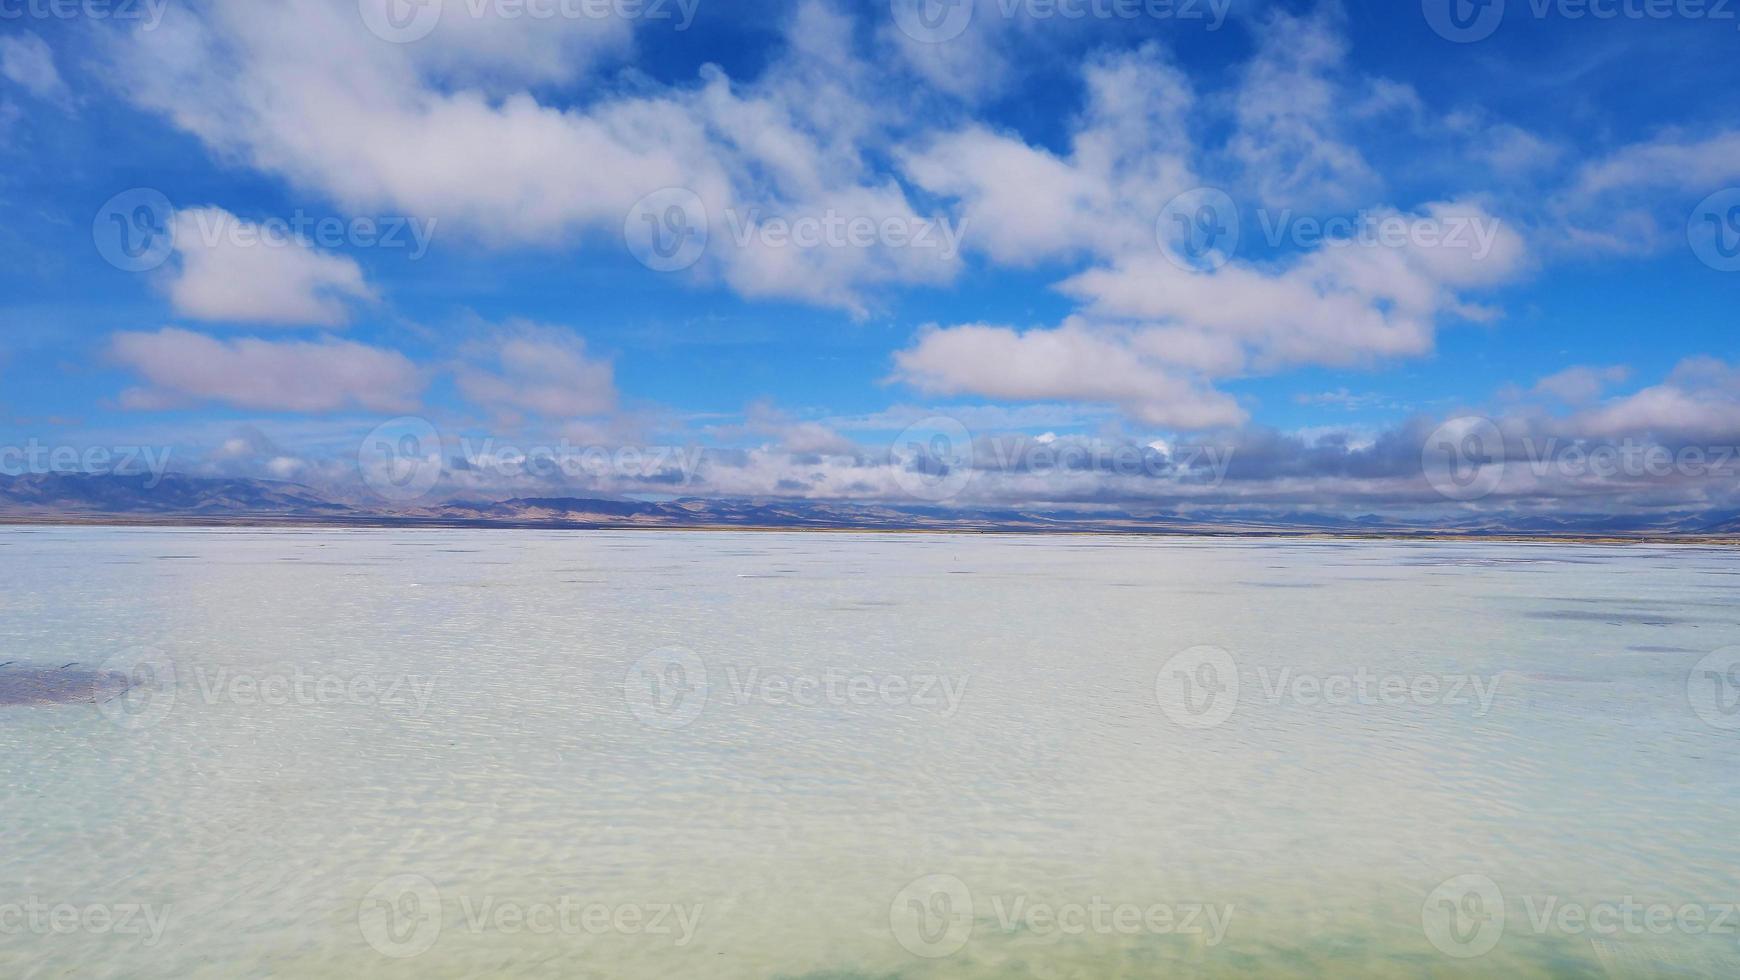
1533, 233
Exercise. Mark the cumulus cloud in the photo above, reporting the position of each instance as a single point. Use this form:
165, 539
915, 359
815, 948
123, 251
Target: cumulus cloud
300, 89
238, 271
539, 370
1128, 156
1152, 333
1070, 363
1700, 399
182, 367
1343, 303
798, 436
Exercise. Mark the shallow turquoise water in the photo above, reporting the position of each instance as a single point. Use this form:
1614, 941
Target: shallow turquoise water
454, 753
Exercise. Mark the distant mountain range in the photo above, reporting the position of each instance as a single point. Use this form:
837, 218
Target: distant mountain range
181, 499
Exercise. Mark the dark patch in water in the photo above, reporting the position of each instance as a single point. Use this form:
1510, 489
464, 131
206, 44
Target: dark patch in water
1567, 679
1283, 585
65, 685
1648, 649
1615, 618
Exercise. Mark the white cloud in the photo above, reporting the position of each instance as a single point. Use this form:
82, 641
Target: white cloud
802, 437
27, 60
1070, 363
1341, 304
481, 45
1128, 156
1290, 111
300, 89
181, 367
1637, 198
969, 66
538, 370
235, 270
1581, 384
1699, 400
